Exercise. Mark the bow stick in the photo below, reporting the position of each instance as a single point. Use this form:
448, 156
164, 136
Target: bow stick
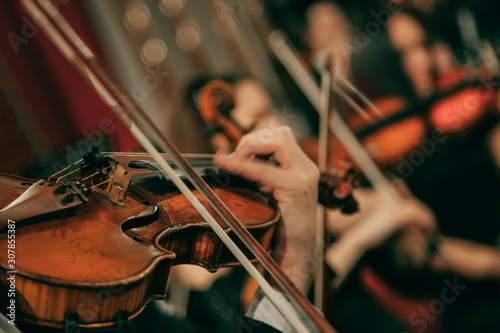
79, 55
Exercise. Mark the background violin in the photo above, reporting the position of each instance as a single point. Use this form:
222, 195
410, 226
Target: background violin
393, 127
458, 112
215, 104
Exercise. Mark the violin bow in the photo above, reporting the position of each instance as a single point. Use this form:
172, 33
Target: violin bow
304, 79
326, 107
67, 41
341, 79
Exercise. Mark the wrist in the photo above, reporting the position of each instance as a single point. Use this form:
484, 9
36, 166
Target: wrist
298, 265
359, 238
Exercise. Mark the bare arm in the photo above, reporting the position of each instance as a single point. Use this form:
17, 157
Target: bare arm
468, 259
374, 225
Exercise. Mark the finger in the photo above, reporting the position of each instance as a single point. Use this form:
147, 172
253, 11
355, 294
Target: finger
227, 162
254, 170
401, 188
281, 152
266, 189
278, 142
423, 217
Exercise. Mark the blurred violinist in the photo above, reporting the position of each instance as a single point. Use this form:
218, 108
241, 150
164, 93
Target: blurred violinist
293, 183
329, 33
457, 178
244, 103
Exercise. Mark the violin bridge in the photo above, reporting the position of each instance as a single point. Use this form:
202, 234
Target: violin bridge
118, 185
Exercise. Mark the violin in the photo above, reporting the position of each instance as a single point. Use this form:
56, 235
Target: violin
305, 318
459, 113
111, 236
466, 108
391, 127
215, 103
385, 144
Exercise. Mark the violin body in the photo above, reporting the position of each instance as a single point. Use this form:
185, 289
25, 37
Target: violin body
384, 145
393, 140
459, 114
465, 112
100, 258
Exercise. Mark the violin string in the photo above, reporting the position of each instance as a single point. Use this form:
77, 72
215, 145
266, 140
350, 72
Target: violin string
77, 52
66, 175
72, 172
131, 154
97, 172
145, 155
138, 172
66, 168
107, 180
145, 172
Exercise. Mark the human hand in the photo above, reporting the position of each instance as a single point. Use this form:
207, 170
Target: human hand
386, 219
293, 182
407, 224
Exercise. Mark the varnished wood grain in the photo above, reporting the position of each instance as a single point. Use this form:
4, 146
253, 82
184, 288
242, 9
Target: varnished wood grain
99, 258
